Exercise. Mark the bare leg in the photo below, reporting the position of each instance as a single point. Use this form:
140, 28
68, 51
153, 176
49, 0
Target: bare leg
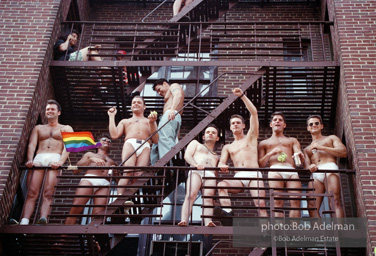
85, 52
258, 193
79, 200
48, 191
177, 7
223, 190
35, 179
103, 192
319, 188
208, 202
275, 185
334, 186
193, 185
142, 160
294, 203
127, 150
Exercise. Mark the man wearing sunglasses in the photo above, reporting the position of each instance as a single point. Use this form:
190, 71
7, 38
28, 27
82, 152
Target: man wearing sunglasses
321, 154
93, 183
279, 151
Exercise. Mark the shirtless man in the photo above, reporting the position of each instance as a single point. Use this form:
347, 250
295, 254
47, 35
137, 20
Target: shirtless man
321, 155
51, 152
269, 150
243, 153
136, 130
200, 156
174, 99
93, 159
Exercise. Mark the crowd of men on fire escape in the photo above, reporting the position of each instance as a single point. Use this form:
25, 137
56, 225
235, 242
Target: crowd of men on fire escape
146, 142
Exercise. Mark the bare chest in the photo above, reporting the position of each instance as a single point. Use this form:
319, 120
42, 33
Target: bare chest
50, 132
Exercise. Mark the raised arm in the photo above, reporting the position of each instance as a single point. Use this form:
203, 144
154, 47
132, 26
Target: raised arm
115, 132
190, 152
177, 98
253, 131
64, 46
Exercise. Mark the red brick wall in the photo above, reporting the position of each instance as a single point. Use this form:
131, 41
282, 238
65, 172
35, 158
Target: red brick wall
26, 31
29, 29
354, 40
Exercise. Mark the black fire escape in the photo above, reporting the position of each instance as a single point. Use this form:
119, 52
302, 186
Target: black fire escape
279, 65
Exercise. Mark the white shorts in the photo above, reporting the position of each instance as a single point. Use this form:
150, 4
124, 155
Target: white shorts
252, 174
136, 143
321, 176
45, 159
96, 182
284, 175
202, 173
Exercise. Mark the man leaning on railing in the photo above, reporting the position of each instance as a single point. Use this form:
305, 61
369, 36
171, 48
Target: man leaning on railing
51, 152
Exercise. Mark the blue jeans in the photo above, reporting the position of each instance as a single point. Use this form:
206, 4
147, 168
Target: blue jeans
167, 137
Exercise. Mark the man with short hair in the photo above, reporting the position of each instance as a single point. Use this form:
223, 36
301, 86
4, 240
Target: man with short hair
174, 99
136, 130
51, 152
279, 151
200, 156
243, 154
100, 187
321, 154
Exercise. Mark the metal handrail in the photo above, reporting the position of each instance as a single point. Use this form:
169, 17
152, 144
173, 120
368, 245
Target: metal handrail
153, 10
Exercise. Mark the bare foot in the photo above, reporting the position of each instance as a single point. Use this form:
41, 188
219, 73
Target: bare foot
182, 223
211, 224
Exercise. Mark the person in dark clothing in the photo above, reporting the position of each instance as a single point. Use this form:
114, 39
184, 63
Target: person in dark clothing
64, 49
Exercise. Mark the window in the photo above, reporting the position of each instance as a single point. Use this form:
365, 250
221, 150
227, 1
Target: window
192, 79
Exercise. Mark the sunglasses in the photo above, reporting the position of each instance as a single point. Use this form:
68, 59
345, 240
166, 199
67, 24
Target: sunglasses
315, 123
106, 139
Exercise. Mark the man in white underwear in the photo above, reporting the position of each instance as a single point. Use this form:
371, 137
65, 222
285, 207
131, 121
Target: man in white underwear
321, 154
200, 156
99, 187
170, 120
243, 154
136, 130
51, 152
279, 151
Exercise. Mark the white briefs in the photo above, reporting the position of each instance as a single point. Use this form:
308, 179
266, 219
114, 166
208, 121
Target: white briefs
45, 159
251, 174
328, 166
96, 182
284, 175
202, 173
136, 143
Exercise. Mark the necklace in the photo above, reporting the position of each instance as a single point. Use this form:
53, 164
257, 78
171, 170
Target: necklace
211, 151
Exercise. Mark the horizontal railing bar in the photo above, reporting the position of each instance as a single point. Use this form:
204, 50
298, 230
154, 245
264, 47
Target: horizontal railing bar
105, 215
199, 23
104, 205
117, 196
187, 63
187, 168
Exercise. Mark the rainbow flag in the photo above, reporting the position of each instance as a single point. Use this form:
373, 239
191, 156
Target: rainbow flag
79, 141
